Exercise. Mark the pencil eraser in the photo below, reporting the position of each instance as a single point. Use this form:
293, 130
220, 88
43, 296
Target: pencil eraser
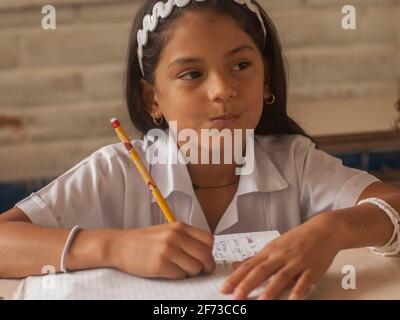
115, 123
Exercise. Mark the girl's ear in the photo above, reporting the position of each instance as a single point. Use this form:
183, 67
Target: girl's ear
150, 100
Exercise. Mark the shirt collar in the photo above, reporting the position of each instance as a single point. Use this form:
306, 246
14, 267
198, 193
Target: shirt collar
265, 177
174, 176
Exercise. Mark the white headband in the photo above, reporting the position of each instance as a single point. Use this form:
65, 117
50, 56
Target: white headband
163, 10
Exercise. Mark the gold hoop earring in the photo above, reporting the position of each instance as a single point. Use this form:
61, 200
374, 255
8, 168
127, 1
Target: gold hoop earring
158, 122
270, 100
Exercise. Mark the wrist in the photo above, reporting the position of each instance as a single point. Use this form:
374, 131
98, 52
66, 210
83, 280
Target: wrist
334, 228
112, 248
91, 249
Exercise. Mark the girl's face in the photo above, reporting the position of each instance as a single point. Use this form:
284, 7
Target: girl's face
208, 69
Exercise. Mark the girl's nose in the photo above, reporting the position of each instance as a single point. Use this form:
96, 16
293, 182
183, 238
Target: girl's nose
221, 88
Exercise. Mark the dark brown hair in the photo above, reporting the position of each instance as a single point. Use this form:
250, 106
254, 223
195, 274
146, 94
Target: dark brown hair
397, 122
274, 118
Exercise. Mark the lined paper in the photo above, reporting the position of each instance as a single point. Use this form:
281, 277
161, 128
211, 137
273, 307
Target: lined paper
112, 284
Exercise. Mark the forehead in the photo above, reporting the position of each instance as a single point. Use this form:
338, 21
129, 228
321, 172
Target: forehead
202, 33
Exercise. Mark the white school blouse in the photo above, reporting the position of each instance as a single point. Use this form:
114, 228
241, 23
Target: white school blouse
291, 181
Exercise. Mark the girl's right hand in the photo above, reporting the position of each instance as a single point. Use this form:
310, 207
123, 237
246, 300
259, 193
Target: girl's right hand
174, 251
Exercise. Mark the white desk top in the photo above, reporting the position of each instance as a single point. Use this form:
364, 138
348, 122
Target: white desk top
376, 278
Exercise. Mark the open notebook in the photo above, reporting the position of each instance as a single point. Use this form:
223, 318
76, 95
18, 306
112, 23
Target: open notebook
113, 284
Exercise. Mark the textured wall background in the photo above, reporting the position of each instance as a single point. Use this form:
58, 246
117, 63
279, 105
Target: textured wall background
59, 88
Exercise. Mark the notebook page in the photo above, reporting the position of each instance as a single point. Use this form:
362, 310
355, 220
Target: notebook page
113, 284
236, 247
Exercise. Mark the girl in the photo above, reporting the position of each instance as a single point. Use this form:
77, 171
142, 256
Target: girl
205, 64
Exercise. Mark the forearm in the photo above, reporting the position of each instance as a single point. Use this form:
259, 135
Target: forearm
26, 248
363, 225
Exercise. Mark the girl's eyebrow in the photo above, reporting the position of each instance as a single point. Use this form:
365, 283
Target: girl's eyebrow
187, 60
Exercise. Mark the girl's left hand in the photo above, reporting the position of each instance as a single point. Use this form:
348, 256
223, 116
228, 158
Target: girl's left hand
301, 256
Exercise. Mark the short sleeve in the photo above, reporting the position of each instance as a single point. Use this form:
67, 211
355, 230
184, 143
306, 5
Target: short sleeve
83, 195
325, 183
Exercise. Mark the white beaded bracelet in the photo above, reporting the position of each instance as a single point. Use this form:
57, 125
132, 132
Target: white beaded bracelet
71, 235
392, 247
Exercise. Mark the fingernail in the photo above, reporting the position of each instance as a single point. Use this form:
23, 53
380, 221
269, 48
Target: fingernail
293, 297
227, 287
264, 296
238, 294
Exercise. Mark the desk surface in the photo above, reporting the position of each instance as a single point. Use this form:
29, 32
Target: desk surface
376, 278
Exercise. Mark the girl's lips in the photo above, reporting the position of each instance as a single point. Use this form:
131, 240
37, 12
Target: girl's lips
224, 121
226, 116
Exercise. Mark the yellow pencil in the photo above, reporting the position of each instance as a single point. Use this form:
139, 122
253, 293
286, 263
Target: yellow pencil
143, 171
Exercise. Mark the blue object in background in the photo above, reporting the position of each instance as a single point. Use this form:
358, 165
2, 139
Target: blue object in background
11, 193
379, 159
353, 160
371, 161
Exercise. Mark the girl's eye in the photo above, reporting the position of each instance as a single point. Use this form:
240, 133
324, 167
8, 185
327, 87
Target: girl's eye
189, 73
244, 63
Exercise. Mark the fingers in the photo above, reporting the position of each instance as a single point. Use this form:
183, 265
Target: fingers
240, 275
199, 244
278, 283
200, 252
237, 264
302, 285
255, 277
184, 261
200, 235
189, 248
250, 275
168, 269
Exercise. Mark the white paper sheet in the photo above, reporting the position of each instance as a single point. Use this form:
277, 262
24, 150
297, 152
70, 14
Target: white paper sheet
113, 284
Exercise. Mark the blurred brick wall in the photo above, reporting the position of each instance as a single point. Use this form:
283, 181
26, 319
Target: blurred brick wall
58, 88
342, 81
